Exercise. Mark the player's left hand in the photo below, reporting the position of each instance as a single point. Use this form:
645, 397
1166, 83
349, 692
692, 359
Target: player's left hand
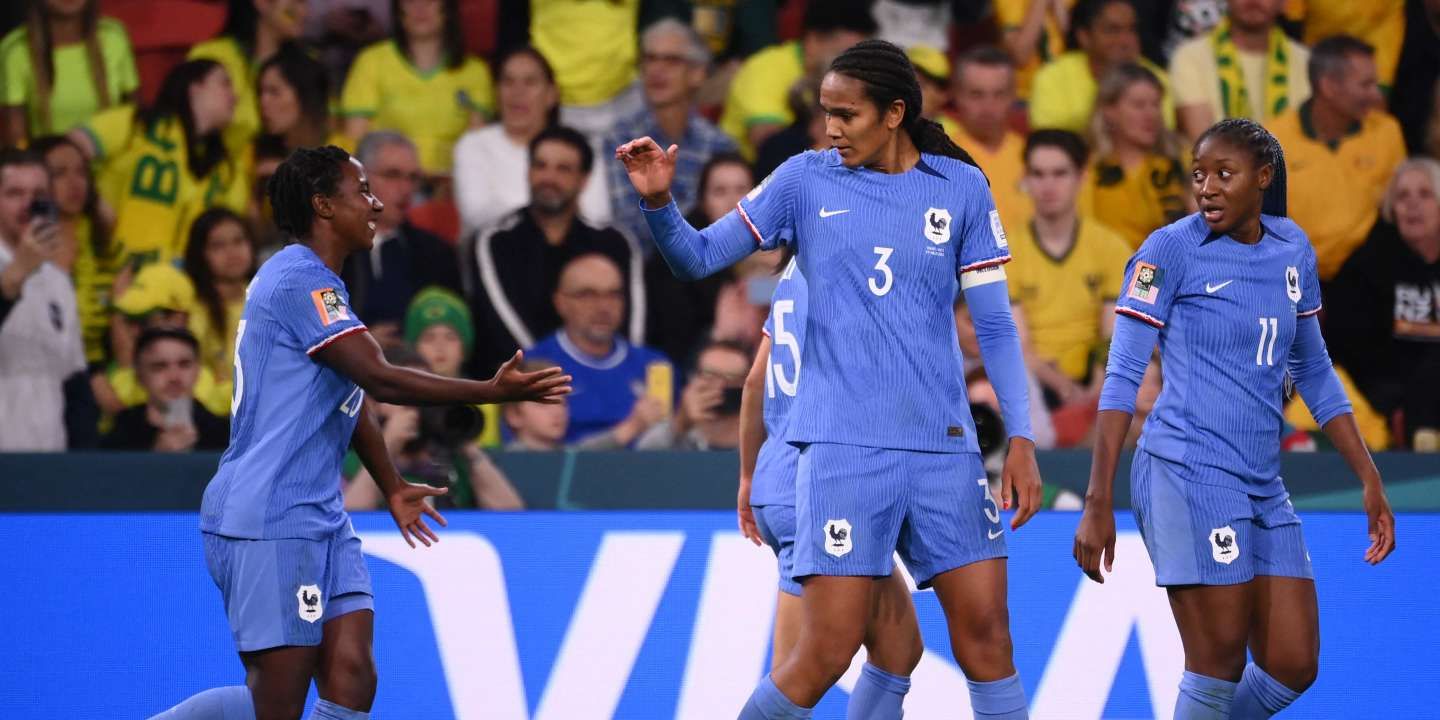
1381, 522
1020, 480
746, 514
409, 507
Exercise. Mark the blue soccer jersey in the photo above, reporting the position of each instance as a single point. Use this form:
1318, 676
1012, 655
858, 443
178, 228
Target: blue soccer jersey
604, 389
774, 479
291, 416
881, 254
1226, 314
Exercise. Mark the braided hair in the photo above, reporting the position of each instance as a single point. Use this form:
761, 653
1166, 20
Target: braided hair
306, 173
1264, 149
888, 76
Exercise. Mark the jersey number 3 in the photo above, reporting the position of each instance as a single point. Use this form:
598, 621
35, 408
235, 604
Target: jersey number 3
889, 277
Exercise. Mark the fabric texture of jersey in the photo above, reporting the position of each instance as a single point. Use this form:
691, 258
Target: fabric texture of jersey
605, 388
881, 254
432, 108
774, 479
935, 509
1227, 316
292, 417
776, 524
1198, 534
282, 592
72, 95
1063, 297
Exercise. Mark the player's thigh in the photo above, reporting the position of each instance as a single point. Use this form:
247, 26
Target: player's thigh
974, 600
1195, 533
848, 506
1285, 629
346, 671
835, 611
893, 636
789, 614
776, 524
279, 680
1214, 625
950, 519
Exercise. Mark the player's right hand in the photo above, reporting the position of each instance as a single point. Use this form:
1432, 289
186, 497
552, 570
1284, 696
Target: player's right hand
746, 514
1381, 521
651, 169
546, 386
1095, 540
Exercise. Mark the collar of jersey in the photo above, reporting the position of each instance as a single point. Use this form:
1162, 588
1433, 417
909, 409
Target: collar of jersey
609, 362
833, 160
1265, 232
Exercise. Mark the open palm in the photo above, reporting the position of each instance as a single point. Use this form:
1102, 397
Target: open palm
651, 169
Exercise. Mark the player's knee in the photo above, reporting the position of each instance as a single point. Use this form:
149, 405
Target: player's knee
832, 653
278, 708
896, 650
351, 678
1296, 671
982, 639
1217, 659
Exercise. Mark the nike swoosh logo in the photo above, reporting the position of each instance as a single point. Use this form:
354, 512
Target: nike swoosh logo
1214, 288
994, 533
831, 213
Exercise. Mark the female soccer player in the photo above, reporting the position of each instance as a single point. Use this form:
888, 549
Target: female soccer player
766, 507
888, 225
277, 541
1230, 293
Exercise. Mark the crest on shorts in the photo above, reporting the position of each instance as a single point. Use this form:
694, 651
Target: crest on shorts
1292, 283
837, 537
331, 308
308, 597
937, 225
1223, 546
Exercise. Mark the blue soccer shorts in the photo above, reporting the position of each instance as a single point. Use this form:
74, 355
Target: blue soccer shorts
777, 528
1204, 534
282, 592
856, 506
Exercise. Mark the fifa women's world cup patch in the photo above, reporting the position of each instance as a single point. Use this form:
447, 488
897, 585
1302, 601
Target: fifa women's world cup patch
331, 308
1146, 283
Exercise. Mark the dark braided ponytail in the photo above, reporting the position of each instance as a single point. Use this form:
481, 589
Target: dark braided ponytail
306, 173
1264, 149
888, 76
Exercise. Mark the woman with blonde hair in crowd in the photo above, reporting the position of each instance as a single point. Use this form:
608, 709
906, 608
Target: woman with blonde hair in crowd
64, 64
1138, 182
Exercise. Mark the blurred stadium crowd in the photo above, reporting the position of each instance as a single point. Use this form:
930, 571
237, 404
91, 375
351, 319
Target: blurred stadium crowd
140, 135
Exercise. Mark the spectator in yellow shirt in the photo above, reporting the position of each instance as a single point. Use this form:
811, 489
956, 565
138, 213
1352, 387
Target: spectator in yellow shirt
1381, 23
1033, 33
84, 64
420, 83
85, 238
984, 92
758, 104
219, 261
254, 31
1244, 67
593, 47
1063, 95
1341, 148
1138, 182
1066, 270
164, 165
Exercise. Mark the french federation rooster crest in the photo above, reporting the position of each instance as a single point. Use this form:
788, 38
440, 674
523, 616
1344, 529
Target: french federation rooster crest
938, 222
1224, 542
838, 537
310, 600
838, 534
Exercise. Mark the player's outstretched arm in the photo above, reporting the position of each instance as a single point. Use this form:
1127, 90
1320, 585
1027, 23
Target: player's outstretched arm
1314, 376
691, 254
358, 357
1130, 349
407, 501
752, 436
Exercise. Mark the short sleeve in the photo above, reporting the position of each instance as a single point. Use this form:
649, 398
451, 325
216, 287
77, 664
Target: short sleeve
109, 130
1152, 280
983, 243
14, 69
1309, 281
361, 96
314, 309
769, 209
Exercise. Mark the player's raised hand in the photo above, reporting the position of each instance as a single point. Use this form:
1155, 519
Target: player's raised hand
409, 505
546, 386
1021, 480
1095, 540
1381, 522
650, 168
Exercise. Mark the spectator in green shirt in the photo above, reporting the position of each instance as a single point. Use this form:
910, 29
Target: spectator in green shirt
60, 67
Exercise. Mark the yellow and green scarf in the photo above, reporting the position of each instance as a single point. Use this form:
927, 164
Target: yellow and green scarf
1234, 96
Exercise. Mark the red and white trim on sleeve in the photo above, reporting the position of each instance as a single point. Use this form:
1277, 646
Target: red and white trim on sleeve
317, 347
1142, 317
1308, 313
759, 240
992, 262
